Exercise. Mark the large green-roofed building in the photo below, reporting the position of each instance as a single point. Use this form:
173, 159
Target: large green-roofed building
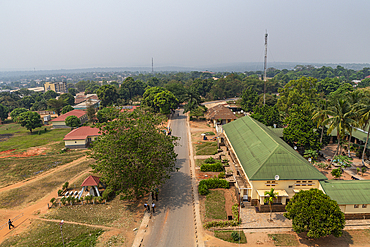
262, 155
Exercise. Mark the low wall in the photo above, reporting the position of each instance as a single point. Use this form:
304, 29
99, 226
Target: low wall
362, 216
266, 208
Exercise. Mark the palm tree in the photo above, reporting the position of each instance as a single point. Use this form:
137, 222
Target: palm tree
363, 110
269, 197
354, 98
341, 118
320, 115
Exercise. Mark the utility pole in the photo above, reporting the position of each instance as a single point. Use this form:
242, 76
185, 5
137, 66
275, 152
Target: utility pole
265, 68
61, 231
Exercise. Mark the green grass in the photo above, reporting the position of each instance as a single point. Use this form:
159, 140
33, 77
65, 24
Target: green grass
284, 239
226, 236
42, 233
22, 139
36, 190
210, 133
215, 205
16, 169
206, 148
99, 214
199, 162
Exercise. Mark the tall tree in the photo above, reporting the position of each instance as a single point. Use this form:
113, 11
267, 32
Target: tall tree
319, 115
3, 112
363, 111
313, 212
249, 99
30, 120
108, 95
192, 99
16, 112
68, 98
133, 155
67, 108
164, 102
341, 118
56, 105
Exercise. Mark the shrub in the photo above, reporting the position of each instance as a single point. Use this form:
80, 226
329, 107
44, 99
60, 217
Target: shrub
235, 211
203, 189
363, 170
214, 183
73, 200
221, 175
216, 167
358, 170
65, 186
235, 236
336, 172
222, 223
210, 160
108, 193
63, 200
210, 133
52, 201
100, 199
60, 192
322, 165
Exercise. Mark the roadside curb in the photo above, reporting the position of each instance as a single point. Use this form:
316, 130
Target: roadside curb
195, 196
140, 233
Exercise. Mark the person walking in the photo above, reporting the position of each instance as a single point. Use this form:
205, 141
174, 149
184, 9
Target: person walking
153, 206
10, 224
156, 193
152, 195
146, 206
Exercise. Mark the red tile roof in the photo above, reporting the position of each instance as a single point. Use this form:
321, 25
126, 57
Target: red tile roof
77, 113
91, 181
220, 112
82, 133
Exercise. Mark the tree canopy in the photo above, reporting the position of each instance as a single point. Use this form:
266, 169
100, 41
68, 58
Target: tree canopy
108, 95
313, 212
68, 98
249, 99
16, 112
30, 120
56, 105
107, 114
3, 112
66, 109
133, 155
73, 121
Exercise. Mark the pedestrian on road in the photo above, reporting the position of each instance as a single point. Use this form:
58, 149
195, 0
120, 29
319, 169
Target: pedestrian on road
153, 206
156, 196
152, 195
145, 206
10, 224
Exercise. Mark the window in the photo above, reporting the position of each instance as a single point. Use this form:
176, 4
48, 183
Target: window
290, 186
355, 206
271, 183
304, 183
364, 206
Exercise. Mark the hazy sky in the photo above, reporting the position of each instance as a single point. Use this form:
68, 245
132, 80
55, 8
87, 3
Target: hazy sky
52, 34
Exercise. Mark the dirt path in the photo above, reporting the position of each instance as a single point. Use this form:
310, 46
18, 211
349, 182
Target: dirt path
44, 174
82, 224
34, 209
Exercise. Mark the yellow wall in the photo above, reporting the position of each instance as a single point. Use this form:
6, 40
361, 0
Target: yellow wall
350, 209
49, 86
75, 142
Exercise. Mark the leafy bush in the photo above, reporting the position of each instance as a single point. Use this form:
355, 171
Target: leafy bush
221, 175
216, 167
65, 186
235, 211
108, 193
358, 170
210, 160
52, 201
60, 192
322, 165
363, 170
235, 236
203, 189
214, 183
222, 223
210, 133
336, 172
63, 201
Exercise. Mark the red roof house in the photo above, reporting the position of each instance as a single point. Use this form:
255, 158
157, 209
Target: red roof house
59, 122
81, 137
90, 181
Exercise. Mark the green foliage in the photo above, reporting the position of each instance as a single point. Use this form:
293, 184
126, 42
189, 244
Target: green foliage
67, 108
165, 101
249, 99
30, 120
108, 95
107, 114
221, 175
197, 112
3, 112
203, 189
235, 236
16, 112
72, 91
309, 153
210, 160
268, 115
65, 186
314, 212
210, 133
131, 88
358, 170
322, 165
212, 183
68, 98
133, 155
50, 95
363, 169
344, 161
220, 223
52, 200
301, 130
216, 167
73, 121
336, 172
56, 105
108, 193
60, 192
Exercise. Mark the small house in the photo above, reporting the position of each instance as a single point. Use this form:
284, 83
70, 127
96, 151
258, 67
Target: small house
81, 137
59, 122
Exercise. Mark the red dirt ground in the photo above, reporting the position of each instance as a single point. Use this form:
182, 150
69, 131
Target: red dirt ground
30, 152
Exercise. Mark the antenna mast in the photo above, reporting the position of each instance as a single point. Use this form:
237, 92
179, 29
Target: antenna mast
264, 74
152, 66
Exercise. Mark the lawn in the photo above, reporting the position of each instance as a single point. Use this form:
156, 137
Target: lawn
115, 213
226, 235
215, 205
15, 169
284, 239
20, 138
199, 162
206, 148
38, 189
42, 233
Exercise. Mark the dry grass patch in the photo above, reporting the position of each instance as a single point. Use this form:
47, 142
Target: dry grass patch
215, 205
42, 233
38, 189
284, 239
205, 148
116, 213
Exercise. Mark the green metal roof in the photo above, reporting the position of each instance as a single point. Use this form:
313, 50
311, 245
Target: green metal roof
358, 134
277, 131
264, 155
347, 191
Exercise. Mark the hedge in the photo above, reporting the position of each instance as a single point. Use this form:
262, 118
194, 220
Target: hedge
216, 167
212, 183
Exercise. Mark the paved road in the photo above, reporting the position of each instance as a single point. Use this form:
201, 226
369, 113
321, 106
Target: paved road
173, 224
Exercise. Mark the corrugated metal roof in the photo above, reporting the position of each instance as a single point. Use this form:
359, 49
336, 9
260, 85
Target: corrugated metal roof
264, 155
347, 191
